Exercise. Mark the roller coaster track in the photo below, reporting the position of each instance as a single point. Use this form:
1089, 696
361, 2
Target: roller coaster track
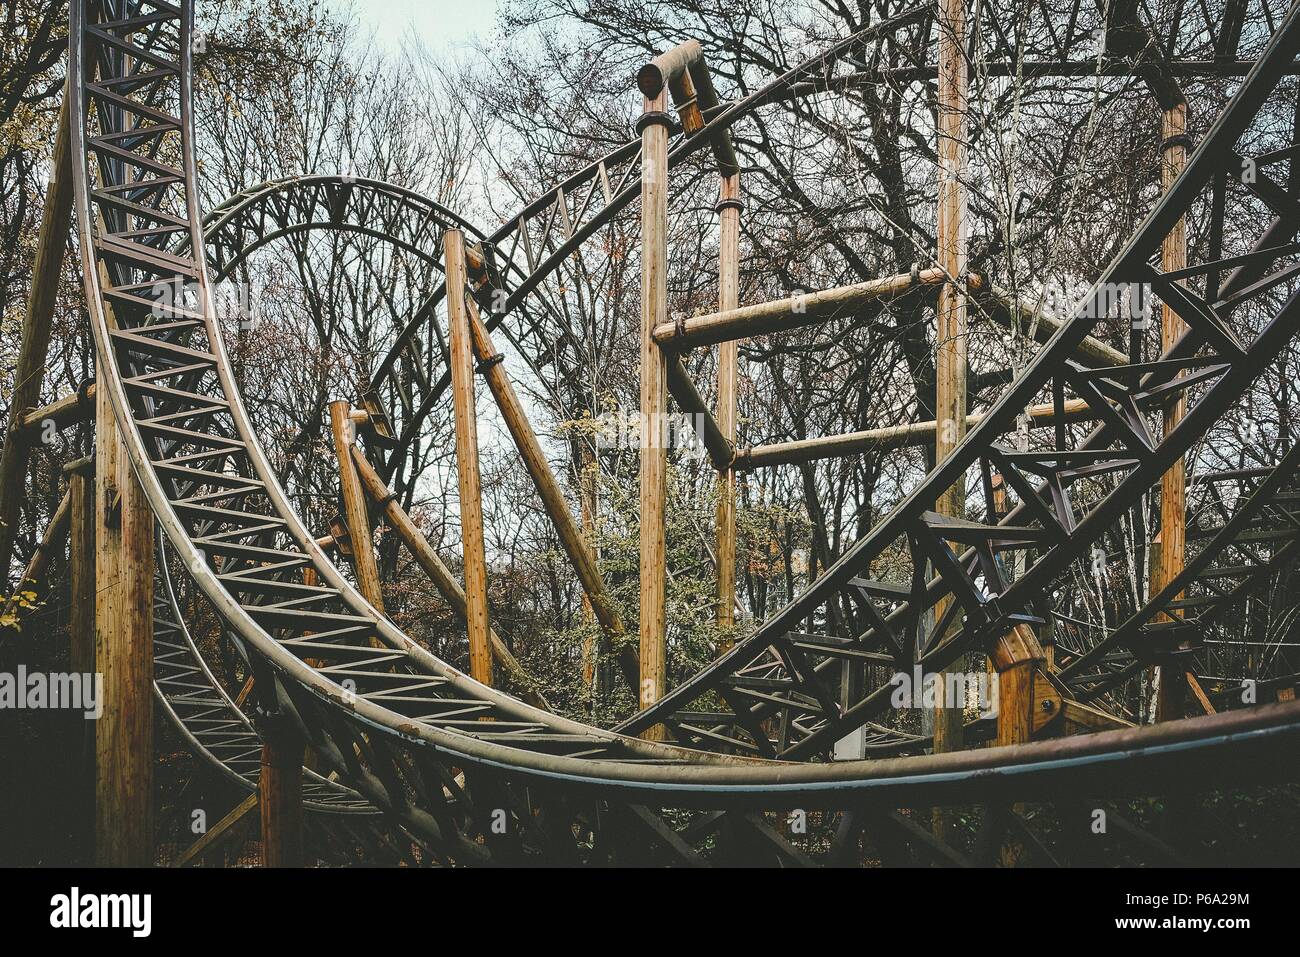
211, 722
1257, 538
450, 759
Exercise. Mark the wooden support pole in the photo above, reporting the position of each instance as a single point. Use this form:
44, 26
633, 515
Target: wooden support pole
123, 653
950, 333
29, 373
279, 793
588, 504
729, 208
654, 403
1017, 659
689, 400
354, 504
686, 75
890, 437
1171, 688
81, 636
461, 358
1027, 700
782, 315
70, 409
425, 556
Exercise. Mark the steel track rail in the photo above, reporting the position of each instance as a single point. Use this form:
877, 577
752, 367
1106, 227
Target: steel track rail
212, 724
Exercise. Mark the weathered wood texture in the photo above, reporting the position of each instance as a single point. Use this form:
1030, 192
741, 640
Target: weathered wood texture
224, 830
81, 634
539, 469
729, 208
354, 505
654, 404
1172, 689
123, 654
889, 437
279, 794
29, 373
951, 341
471, 506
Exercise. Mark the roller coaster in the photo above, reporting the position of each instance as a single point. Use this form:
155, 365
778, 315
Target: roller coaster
408, 750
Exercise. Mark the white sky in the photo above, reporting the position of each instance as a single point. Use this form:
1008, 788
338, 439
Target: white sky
438, 24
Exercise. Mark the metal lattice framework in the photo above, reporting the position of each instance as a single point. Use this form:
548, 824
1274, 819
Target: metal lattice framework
406, 731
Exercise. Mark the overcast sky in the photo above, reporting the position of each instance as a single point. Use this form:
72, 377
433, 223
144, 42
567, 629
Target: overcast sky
439, 24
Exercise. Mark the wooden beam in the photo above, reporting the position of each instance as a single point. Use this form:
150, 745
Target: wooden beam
70, 409
588, 504
343, 427
951, 339
81, 637
1082, 718
1171, 686
461, 358
427, 558
693, 405
781, 315
668, 67
890, 437
730, 205
29, 373
279, 793
654, 404
1206, 705
123, 653
219, 832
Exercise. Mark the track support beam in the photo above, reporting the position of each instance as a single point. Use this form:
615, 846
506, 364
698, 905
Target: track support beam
280, 795
654, 402
123, 653
729, 209
461, 359
29, 374
1171, 683
355, 514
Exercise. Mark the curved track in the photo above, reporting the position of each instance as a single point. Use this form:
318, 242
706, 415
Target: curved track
406, 730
